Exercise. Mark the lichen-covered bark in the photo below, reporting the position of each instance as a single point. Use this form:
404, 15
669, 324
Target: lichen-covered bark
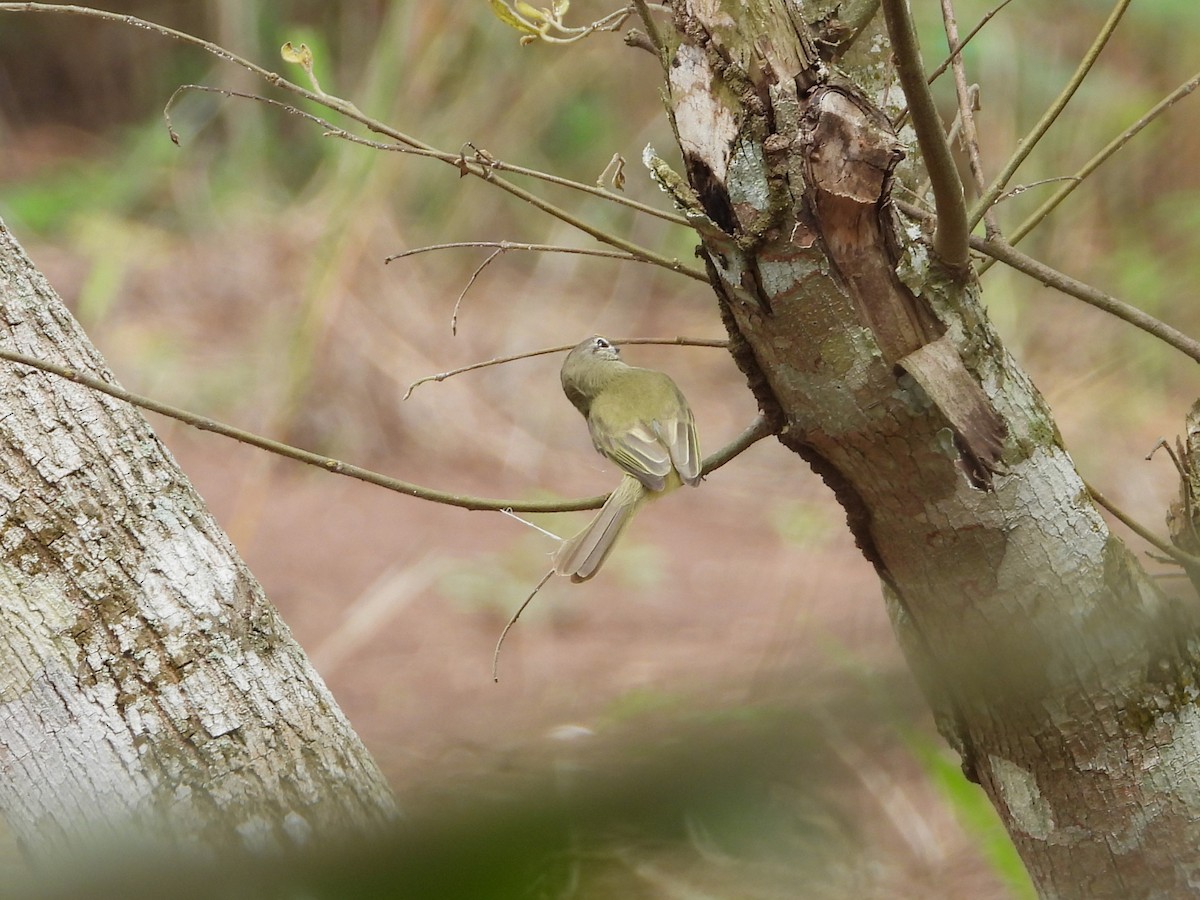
1055, 666
145, 682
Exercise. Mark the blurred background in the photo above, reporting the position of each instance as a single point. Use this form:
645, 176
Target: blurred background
241, 275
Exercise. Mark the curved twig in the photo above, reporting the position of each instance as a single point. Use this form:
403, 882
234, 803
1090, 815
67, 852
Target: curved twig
967, 99
486, 171
545, 351
482, 166
336, 466
516, 245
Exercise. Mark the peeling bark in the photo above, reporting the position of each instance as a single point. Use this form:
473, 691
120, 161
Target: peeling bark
147, 687
1054, 665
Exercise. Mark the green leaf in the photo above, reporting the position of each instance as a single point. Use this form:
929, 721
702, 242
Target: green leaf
505, 14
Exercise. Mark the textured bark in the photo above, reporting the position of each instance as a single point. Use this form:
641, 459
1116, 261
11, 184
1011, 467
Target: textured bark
146, 684
1055, 666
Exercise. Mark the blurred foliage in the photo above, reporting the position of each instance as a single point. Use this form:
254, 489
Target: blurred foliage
669, 801
975, 811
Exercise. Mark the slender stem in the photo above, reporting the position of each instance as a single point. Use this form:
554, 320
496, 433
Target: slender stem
513, 621
486, 171
957, 48
514, 245
950, 236
1096, 161
966, 111
755, 432
1026, 144
545, 351
652, 32
337, 467
1004, 252
1187, 560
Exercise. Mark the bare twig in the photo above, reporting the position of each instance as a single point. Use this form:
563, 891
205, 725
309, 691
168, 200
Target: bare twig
515, 245
757, 430
479, 168
950, 236
545, 351
1029, 185
1189, 562
498, 248
470, 281
482, 166
511, 623
1004, 252
1096, 161
455, 159
337, 467
967, 98
328, 464
957, 48
652, 32
1026, 144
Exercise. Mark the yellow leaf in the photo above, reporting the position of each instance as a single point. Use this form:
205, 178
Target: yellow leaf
561, 7
529, 12
300, 55
505, 14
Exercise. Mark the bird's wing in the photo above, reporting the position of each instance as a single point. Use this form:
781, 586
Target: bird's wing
678, 435
638, 450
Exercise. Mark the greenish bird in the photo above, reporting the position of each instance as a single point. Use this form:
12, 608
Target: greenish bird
640, 420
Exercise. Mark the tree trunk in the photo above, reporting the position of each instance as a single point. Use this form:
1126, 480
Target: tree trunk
1053, 663
146, 684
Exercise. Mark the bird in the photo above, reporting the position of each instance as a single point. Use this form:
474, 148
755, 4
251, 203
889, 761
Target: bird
639, 419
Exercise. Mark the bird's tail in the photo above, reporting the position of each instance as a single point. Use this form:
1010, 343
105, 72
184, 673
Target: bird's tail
581, 556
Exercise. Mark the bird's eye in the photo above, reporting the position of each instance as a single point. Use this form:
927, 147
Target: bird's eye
602, 344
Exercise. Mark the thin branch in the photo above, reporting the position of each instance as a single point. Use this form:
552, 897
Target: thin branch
480, 169
482, 166
757, 430
1187, 560
652, 32
204, 423
1029, 185
1000, 250
545, 351
337, 467
498, 248
1026, 144
950, 236
967, 99
957, 48
455, 159
1096, 161
514, 245
470, 281
1004, 252
511, 623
